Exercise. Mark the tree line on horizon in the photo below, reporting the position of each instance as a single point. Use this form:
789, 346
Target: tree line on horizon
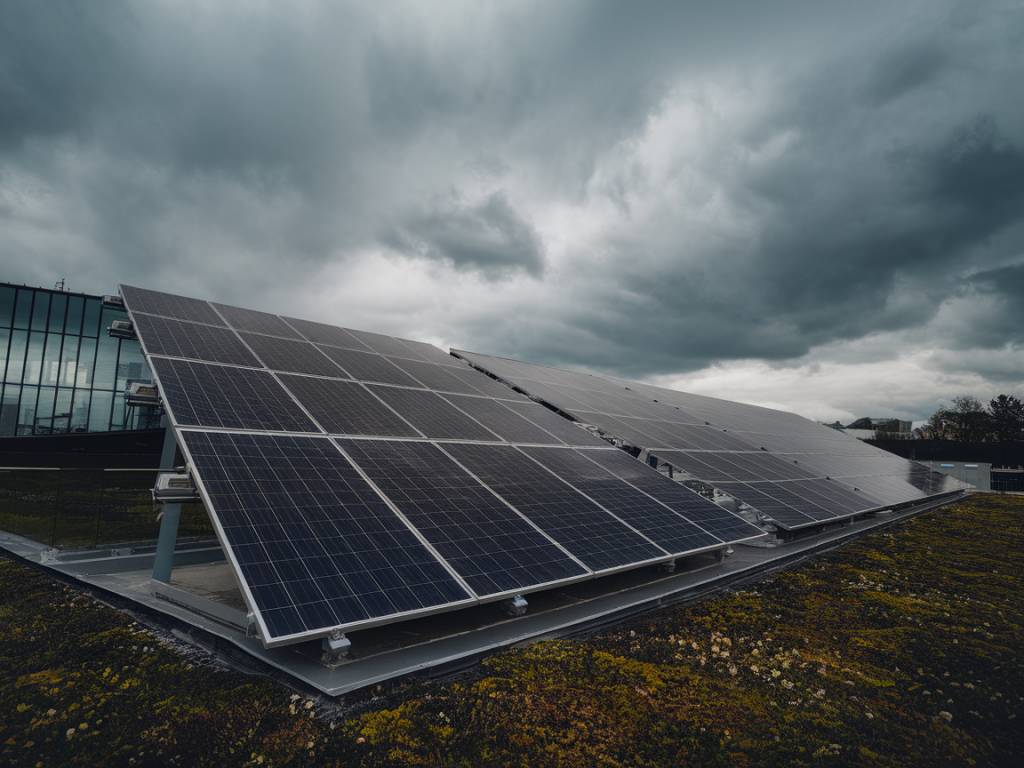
969, 420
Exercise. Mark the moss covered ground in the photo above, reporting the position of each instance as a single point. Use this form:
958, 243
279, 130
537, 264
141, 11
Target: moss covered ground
903, 648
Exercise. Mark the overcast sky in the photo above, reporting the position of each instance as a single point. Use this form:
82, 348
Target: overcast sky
812, 205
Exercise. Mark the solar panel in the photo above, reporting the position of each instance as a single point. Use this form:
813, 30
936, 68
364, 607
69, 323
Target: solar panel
666, 528
432, 415
316, 546
487, 543
720, 442
430, 353
259, 322
437, 377
208, 395
694, 507
369, 366
169, 305
585, 530
176, 338
387, 345
321, 333
563, 429
346, 407
292, 356
503, 421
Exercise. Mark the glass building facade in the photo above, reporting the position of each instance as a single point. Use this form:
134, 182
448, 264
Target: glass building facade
61, 371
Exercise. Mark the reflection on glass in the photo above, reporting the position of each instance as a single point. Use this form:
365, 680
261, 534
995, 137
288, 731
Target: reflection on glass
34, 359
99, 413
23, 309
27, 410
40, 311
16, 358
7, 297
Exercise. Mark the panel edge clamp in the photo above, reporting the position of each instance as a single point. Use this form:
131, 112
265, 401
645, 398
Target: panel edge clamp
335, 648
515, 606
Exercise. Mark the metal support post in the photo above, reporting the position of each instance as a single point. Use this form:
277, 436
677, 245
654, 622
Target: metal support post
169, 519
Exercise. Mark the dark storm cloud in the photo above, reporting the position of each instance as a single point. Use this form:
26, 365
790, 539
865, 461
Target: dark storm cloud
867, 222
730, 181
489, 236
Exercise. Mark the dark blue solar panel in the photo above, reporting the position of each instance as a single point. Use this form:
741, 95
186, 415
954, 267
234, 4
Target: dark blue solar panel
588, 532
782, 513
316, 546
169, 305
321, 333
346, 407
369, 366
694, 507
259, 322
432, 415
566, 431
439, 377
504, 422
177, 338
293, 356
490, 546
666, 528
208, 395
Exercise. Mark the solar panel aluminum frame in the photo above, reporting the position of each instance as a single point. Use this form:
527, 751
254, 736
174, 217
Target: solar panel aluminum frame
319, 633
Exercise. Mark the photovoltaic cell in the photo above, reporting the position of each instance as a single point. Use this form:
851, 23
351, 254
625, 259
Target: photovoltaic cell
562, 428
369, 366
346, 407
169, 305
317, 547
292, 356
432, 415
504, 422
430, 353
666, 528
484, 384
490, 546
176, 338
208, 395
438, 377
768, 505
691, 505
321, 333
387, 345
259, 322
589, 533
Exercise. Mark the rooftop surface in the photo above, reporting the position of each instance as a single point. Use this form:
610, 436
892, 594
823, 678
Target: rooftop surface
900, 648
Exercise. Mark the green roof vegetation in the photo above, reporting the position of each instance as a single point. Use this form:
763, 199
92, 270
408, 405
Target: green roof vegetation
903, 648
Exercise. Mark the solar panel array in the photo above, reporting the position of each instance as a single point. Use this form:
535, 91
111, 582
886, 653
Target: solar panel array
794, 472
356, 478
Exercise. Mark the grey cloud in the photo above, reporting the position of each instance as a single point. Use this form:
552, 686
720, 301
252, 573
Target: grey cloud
490, 237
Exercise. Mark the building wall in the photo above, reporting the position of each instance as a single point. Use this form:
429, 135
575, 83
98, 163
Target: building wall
60, 371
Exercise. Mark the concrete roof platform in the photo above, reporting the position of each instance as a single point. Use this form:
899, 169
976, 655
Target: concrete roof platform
204, 606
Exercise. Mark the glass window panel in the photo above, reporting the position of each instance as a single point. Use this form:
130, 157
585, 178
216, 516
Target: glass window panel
119, 414
91, 321
16, 358
131, 366
27, 410
7, 296
62, 410
106, 363
9, 410
44, 411
86, 361
50, 372
34, 359
40, 311
23, 310
99, 413
69, 361
74, 320
58, 306
80, 411
5, 340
